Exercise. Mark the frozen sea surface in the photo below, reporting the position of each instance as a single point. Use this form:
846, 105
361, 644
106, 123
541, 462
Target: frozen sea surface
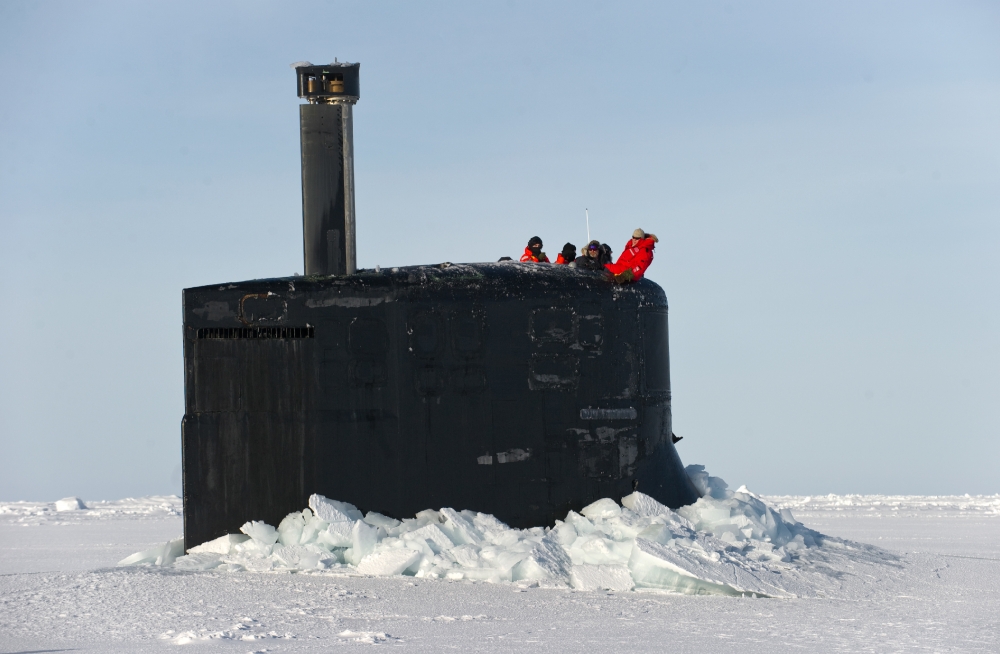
60, 590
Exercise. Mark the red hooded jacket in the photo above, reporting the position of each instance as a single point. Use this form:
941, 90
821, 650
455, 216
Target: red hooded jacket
635, 258
530, 256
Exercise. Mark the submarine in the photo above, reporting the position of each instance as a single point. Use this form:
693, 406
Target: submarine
523, 390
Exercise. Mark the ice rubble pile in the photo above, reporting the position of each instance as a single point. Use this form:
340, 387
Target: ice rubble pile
726, 542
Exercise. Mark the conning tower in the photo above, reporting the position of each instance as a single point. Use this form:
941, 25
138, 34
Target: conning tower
327, 136
521, 390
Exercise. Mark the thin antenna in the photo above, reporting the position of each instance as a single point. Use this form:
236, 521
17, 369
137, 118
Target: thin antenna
587, 211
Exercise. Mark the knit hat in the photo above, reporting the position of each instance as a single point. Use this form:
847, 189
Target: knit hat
535, 240
638, 234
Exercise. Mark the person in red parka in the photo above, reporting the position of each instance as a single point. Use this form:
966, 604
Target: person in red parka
534, 252
635, 258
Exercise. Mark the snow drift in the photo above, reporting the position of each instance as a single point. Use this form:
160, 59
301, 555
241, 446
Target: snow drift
728, 542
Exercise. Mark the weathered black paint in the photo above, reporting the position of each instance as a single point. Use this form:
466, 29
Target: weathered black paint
522, 390
323, 200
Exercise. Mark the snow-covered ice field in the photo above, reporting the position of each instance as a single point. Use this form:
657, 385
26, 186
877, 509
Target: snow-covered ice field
931, 583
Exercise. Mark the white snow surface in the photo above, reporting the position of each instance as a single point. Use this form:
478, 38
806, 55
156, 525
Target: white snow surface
918, 573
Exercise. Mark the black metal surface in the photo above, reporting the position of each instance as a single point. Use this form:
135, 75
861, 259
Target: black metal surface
521, 390
323, 210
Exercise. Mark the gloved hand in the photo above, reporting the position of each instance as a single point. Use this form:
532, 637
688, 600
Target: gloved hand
624, 277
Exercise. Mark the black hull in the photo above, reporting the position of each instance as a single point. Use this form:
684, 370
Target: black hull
521, 390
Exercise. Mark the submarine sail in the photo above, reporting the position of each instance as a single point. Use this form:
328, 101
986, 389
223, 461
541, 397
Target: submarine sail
516, 389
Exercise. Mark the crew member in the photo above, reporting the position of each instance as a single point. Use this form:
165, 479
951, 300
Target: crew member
635, 259
590, 258
568, 254
534, 252
606, 255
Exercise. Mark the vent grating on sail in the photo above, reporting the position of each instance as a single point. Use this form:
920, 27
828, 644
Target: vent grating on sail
256, 332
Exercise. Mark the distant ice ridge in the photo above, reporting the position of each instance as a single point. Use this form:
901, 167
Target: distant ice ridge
73, 510
881, 506
728, 542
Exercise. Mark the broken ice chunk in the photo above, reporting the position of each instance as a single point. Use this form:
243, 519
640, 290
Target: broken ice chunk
595, 550
428, 515
580, 524
658, 566
340, 516
503, 559
164, 554
379, 520
564, 533
332, 510
221, 545
290, 529
466, 556
389, 562
601, 577
363, 539
337, 534
261, 533
314, 526
547, 560
70, 504
786, 515
459, 528
602, 508
171, 550
692, 571
712, 515
644, 505
707, 485
433, 536
493, 530
303, 557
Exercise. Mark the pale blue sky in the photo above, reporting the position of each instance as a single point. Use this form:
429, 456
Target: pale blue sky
824, 179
